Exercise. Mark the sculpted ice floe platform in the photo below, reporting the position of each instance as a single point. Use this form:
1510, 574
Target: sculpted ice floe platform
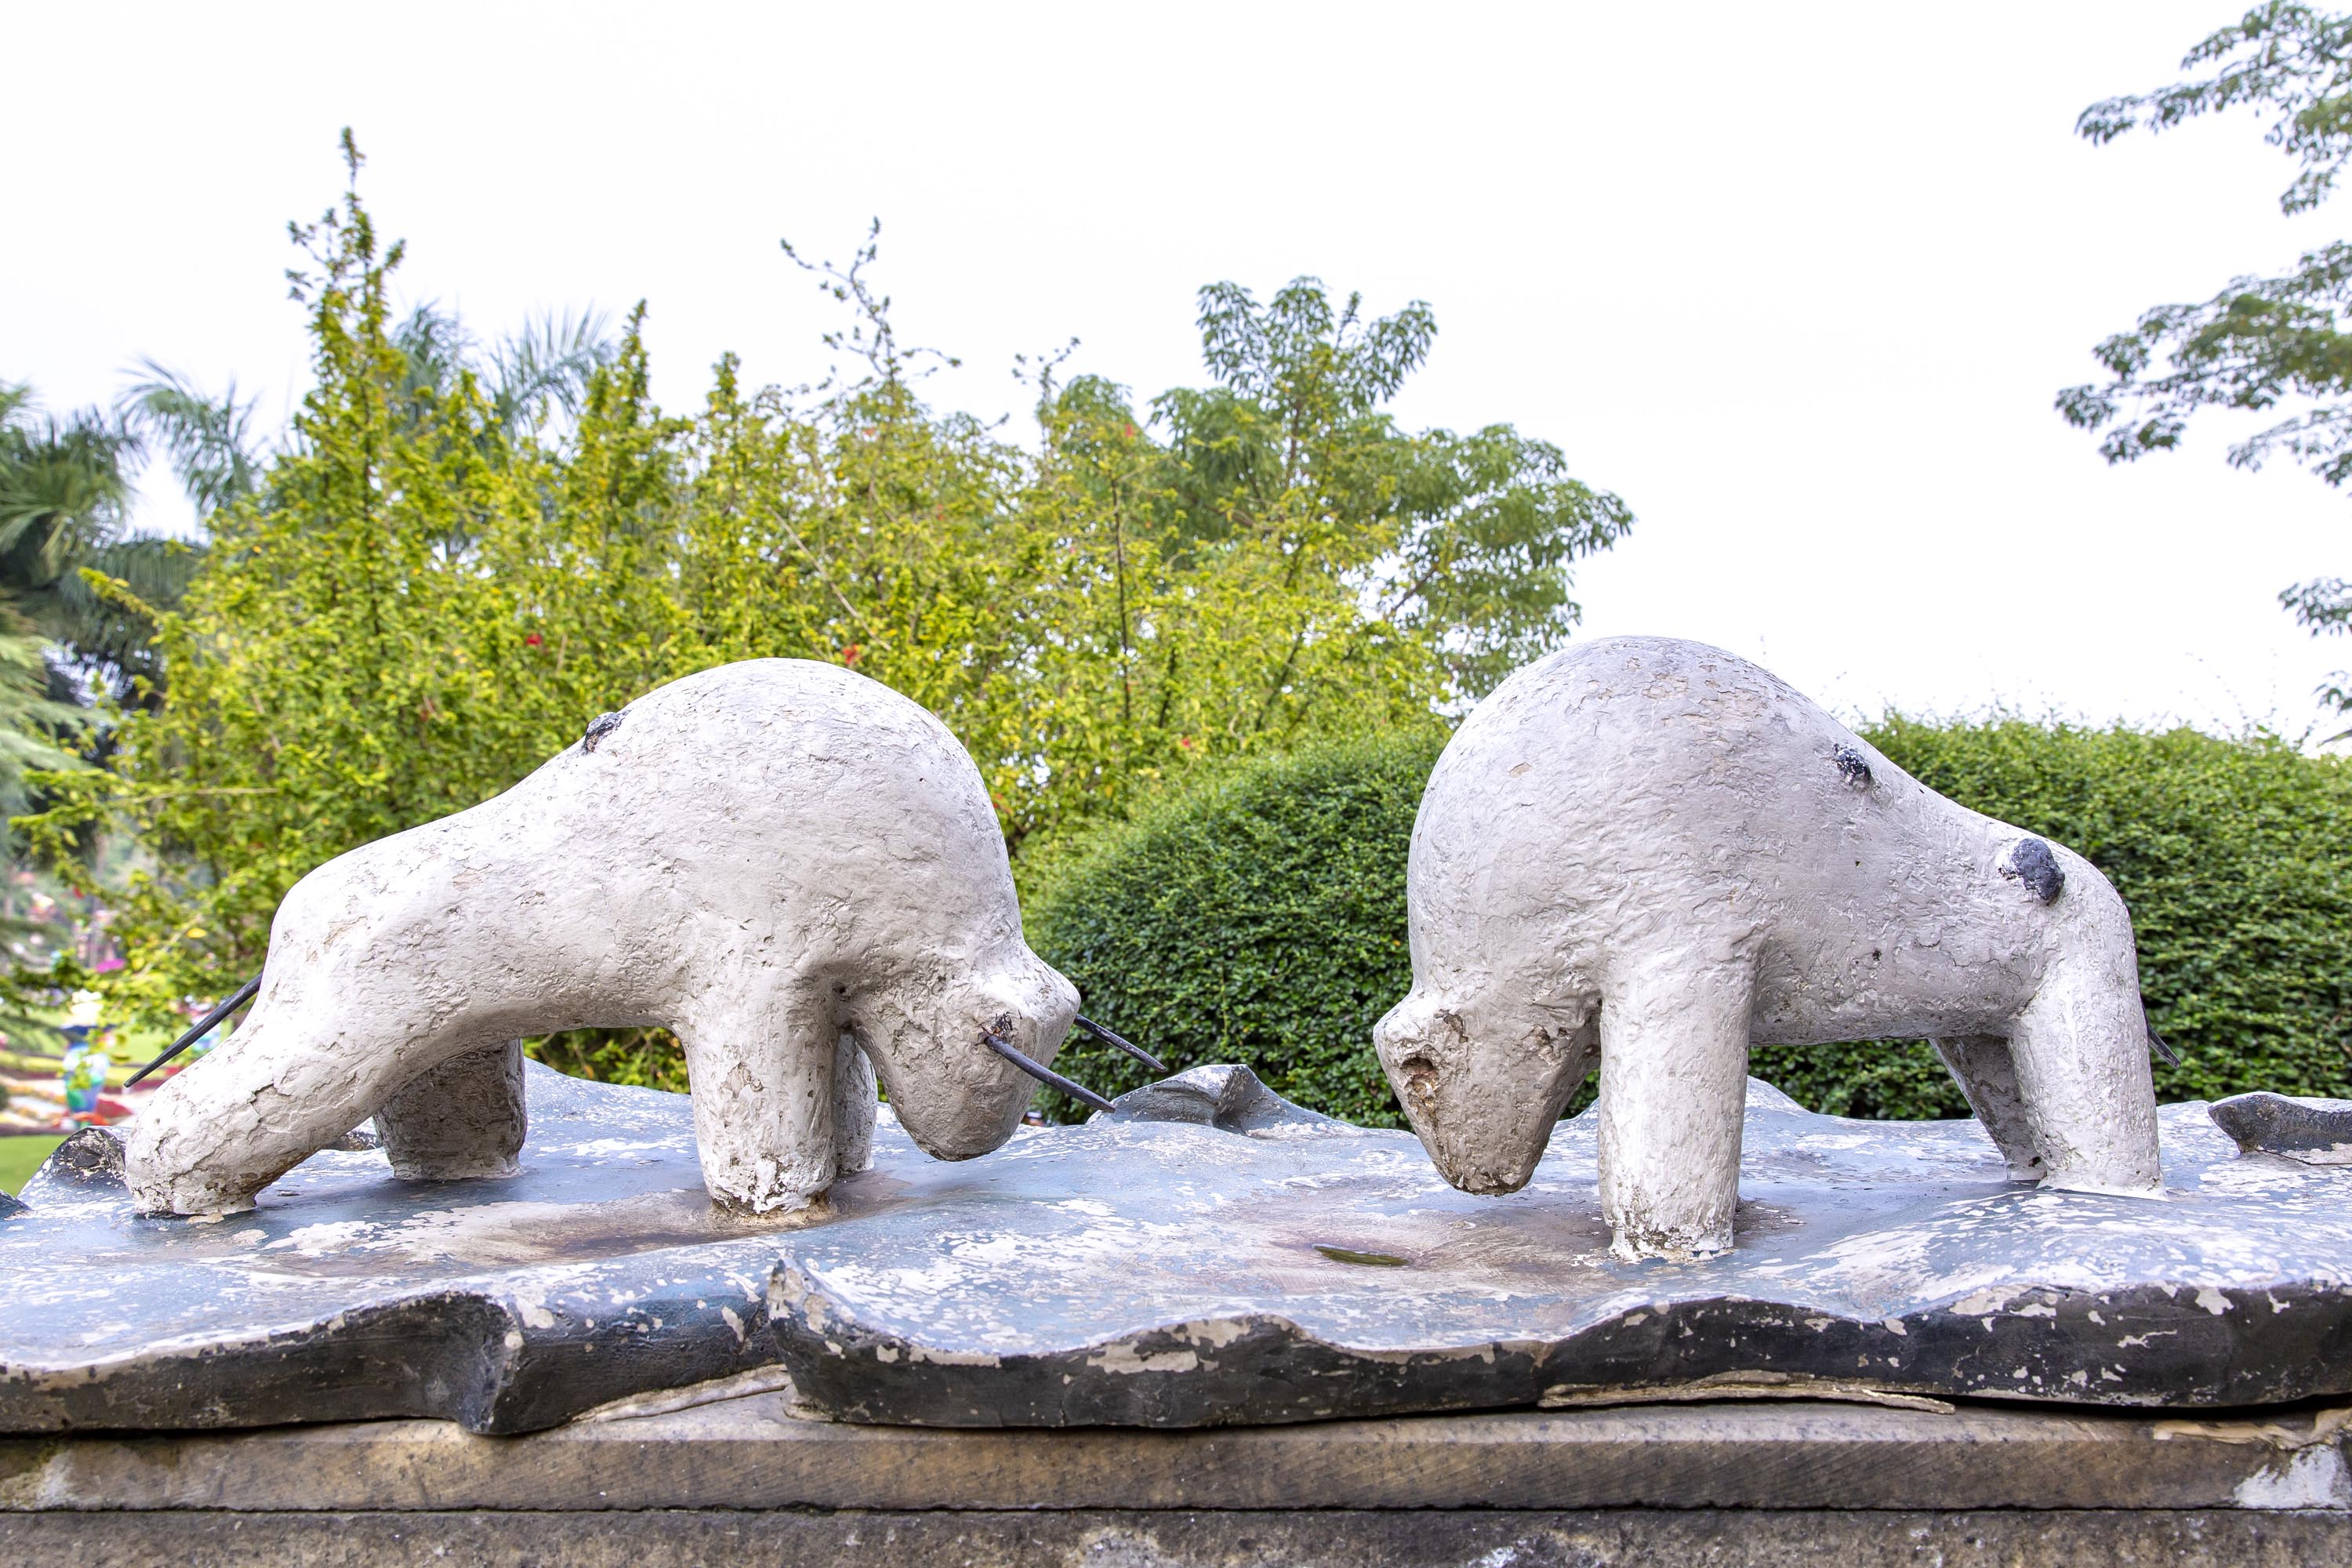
1211, 1255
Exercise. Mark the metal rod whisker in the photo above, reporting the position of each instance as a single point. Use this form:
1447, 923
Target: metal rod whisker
198, 1029
1045, 1075
1122, 1042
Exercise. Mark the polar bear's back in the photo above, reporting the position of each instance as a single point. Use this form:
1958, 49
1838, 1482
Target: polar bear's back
1631, 782
784, 790
1648, 732
783, 713
773, 737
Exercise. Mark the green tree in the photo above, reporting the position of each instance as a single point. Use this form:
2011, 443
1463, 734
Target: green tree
2262, 345
327, 656
454, 560
1469, 539
65, 493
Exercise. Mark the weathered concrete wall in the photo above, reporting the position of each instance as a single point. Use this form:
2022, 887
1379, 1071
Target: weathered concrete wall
1289, 1539
742, 1481
753, 1453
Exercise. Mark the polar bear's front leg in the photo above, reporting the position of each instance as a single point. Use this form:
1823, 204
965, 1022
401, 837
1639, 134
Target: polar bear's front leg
761, 1059
1673, 1092
462, 1120
283, 1088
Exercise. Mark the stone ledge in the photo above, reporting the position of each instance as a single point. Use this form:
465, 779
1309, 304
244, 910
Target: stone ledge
1288, 1539
752, 1453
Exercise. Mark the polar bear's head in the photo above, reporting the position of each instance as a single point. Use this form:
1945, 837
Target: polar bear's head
1483, 1081
956, 1098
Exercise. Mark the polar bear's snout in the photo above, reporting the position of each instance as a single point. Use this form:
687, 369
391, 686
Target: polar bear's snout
1481, 1103
956, 1098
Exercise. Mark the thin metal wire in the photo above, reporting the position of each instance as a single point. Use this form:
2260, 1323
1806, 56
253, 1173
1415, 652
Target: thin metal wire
1122, 1042
1047, 1075
197, 1031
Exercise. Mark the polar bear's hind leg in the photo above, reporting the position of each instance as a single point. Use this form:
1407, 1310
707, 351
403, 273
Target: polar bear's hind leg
1980, 1065
853, 1099
460, 1121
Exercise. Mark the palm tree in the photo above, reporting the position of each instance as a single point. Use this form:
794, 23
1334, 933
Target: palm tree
65, 485
530, 376
65, 494
62, 494
210, 440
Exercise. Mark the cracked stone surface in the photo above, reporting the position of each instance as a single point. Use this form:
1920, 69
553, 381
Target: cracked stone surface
1208, 1256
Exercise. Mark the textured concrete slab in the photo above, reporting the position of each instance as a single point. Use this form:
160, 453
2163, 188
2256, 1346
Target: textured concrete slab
753, 1453
2316, 1132
1236, 1265
1191, 1540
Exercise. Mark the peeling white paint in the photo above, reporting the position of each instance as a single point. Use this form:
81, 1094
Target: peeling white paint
2310, 1478
1124, 1358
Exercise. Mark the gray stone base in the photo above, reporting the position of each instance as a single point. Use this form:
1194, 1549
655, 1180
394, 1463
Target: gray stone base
742, 1481
1207, 1257
1290, 1539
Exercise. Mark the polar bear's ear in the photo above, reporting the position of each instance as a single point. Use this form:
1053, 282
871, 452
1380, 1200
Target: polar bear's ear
599, 727
2032, 864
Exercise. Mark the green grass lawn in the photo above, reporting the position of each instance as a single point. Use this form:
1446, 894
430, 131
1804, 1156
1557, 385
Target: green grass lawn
20, 1157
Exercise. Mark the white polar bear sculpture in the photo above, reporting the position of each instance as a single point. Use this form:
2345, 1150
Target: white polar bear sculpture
1655, 852
790, 865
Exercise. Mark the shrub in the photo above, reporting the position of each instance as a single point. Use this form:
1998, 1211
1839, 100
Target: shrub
1260, 917
1256, 918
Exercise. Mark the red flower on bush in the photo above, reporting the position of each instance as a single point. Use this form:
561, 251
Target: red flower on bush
534, 640
849, 654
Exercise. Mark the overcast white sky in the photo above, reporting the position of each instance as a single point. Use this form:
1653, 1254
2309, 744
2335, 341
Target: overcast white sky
1798, 282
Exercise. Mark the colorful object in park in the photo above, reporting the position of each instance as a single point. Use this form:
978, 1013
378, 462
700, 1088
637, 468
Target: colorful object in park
83, 1074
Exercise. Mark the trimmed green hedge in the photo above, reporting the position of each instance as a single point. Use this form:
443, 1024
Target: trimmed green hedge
1259, 917
1256, 918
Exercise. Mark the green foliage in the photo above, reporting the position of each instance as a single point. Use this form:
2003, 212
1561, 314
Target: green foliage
453, 562
60, 495
209, 441
65, 487
2288, 61
1260, 918
2261, 344
334, 667
1257, 917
